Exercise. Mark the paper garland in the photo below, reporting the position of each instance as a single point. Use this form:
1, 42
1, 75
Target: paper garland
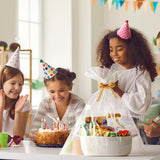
137, 4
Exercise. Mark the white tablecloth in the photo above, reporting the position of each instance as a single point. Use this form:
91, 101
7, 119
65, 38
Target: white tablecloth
27, 150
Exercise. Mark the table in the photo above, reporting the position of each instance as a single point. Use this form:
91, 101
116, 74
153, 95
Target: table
27, 150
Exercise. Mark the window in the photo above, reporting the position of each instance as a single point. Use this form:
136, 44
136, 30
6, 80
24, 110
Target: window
29, 37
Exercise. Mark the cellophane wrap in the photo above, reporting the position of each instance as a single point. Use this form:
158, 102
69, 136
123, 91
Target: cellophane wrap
104, 111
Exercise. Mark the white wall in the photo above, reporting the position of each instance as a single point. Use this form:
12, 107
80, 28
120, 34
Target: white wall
8, 27
97, 25
57, 32
81, 46
67, 39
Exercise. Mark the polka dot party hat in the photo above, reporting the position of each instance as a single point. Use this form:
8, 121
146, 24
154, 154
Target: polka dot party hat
14, 60
48, 70
124, 32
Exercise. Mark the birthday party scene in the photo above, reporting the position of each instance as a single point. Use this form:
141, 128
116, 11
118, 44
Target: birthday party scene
80, 79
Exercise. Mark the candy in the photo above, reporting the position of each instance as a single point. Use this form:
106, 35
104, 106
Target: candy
123, 132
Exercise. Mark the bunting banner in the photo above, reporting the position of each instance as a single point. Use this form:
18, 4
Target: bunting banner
154, 6
113, 1
105, 1
93, 2
101, 3
145, 5
121, 2
117, 4
109, 4
137, 4
126, 5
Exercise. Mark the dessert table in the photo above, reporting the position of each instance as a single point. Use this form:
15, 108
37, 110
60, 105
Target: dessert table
27, 150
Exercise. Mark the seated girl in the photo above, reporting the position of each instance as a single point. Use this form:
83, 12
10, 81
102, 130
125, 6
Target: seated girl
61, 104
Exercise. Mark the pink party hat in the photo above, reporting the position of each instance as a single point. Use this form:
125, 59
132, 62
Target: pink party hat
48, 70
14, 60
124, 32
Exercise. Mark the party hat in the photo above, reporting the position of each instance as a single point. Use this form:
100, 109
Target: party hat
14, 60
49, 71
124, 32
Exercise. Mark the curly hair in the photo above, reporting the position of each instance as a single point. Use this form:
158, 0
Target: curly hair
139, 52
62, 75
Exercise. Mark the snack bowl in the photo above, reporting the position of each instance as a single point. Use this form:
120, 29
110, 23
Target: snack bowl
106, 146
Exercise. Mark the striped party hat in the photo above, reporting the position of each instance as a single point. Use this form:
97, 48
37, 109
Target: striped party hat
48, 70
124, 32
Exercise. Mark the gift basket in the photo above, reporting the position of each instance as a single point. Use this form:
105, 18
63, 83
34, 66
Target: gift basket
105, 127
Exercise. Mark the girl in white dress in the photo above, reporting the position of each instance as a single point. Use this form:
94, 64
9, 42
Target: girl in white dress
126, 52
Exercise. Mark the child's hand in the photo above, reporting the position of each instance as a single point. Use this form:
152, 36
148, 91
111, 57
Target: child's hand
152, 130
2, 100
34, 136
20, 103
118, 90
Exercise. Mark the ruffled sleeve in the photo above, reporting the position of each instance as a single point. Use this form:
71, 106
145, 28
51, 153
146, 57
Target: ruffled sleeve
138, 96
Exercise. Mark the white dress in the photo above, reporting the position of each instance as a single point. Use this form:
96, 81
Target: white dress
137, 87
8, 121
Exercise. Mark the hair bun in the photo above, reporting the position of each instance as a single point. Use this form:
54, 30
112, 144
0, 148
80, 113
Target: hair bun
71, 76
14, 46
3, 44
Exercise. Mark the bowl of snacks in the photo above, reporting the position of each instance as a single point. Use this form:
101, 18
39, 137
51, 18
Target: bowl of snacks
106, 146
98, 138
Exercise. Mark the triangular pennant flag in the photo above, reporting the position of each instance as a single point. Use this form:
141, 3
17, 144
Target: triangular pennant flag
14, 60
151, 5
121, 2
145, 5
126, 5
117, 4
154, 6
109, 4
134, 5
113, 1
139, 3
93, 2
101, 3
105, 1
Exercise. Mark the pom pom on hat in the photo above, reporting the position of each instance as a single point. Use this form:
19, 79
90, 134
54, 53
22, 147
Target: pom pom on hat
48, 70
14, 60
124, 32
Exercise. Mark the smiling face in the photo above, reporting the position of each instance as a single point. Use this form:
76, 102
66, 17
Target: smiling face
59, 92
13, 87
119, 52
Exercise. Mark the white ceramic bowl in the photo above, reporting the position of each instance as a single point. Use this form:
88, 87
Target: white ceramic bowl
106, 146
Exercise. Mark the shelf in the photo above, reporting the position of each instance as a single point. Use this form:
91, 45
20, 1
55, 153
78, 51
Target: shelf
4, 59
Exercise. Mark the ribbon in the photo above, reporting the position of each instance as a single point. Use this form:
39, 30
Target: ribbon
109, 86
113, 119
119, 124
